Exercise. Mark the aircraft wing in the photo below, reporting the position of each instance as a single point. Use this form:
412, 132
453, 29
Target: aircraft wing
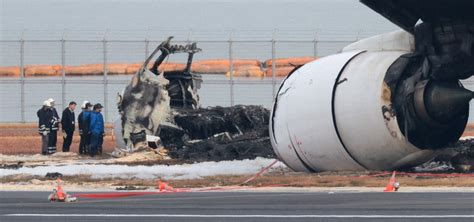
406, 13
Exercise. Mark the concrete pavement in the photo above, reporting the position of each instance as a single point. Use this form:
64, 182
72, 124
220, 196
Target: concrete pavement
245, 206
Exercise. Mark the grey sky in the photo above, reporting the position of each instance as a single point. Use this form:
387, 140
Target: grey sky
186, 14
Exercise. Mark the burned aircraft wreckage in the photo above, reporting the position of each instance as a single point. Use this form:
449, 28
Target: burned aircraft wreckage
387, 102
161, 108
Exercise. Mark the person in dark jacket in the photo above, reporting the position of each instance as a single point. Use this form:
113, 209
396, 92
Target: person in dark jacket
54, 126
84, 120
96, 129
48, 126
68, 124
44, 126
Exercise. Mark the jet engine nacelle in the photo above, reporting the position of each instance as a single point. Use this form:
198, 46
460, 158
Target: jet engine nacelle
336, 113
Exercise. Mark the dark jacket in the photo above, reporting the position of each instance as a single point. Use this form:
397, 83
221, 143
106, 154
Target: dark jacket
68, 120
44, 121
97, 123
84, 120
48, 119
53, 114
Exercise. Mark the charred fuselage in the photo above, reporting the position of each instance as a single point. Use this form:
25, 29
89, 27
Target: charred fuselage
151, 95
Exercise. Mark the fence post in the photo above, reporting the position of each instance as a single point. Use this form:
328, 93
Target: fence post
104, 44
147, 44
22, 79
190, 33
231, 70
63, 73
273, 67
315, 45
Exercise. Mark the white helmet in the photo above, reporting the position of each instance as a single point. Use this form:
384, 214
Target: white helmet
51, 102
47, 103
83, 106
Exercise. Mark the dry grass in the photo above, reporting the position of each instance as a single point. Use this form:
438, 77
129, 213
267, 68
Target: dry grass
24, 139
272, 179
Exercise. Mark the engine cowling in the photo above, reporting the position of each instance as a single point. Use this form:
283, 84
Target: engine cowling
338, 112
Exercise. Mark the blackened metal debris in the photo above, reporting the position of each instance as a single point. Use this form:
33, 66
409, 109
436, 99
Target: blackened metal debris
53, 175
459, 156
463, 161
17, 165
218, 133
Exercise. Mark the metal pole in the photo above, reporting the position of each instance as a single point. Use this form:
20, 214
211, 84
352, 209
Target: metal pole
190, 33
273, 67
315, 50
315, 45
231, 70
63, 73
147, 44
104, 42
22, 78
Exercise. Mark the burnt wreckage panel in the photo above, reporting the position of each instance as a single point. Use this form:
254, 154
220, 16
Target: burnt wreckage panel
166, 104
183, 85
431, 104
146, 101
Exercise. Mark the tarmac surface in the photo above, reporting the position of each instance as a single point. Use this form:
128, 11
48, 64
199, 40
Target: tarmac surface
245, 206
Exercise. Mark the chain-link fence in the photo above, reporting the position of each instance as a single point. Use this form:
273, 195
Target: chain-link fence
21, 96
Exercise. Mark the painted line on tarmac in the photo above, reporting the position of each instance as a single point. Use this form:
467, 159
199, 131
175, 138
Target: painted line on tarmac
238, 216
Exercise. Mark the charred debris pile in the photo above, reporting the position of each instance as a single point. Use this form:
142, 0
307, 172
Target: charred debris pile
218, 133
161, 110
464, 160
460, 156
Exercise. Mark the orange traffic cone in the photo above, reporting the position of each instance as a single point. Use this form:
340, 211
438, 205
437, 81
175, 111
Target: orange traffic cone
60, 191
59, 194
164, 187
161, 186
392, 185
